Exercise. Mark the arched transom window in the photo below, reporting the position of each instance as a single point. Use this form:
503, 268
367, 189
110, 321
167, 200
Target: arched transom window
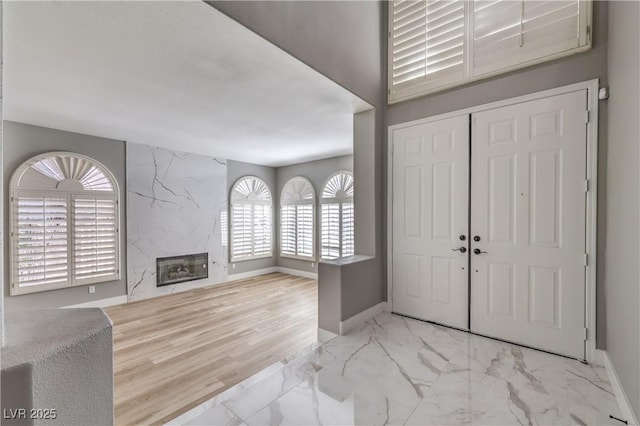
251, 205
337, 216
64, 223
297, 219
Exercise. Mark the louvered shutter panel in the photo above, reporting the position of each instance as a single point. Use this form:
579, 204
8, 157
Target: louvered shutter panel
304, 237
40, 237
261, 230
241, 230
330, 230
427, 45
95, 239
347, 229
288, 230
508, 33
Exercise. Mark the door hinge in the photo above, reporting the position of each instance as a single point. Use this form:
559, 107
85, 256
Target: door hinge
586, 185
587, 116
586, 259
586, 333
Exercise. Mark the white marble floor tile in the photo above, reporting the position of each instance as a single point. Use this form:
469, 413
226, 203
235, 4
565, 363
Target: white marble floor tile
218, 415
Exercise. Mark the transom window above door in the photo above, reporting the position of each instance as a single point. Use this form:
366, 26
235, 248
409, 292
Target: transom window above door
438, 44
64, 223
338, 216
251, 219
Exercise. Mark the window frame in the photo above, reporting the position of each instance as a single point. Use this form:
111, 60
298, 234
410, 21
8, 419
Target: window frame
297, 203
340, 201
70, 196
232, 203
421, 86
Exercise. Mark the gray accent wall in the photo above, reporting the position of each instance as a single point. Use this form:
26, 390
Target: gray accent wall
622, 237
317, 172
573, 69
23, 141
236, 170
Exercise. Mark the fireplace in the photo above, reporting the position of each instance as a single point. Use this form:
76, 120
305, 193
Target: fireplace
179, 269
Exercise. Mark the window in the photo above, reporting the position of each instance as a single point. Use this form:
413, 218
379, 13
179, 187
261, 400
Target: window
437, 44
251, 205
297, 219
64, 223
337, 216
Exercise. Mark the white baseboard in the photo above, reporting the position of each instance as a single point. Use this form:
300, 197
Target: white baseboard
251, 274
101, 303
325, 335
362, 317
598, 357
618, 390
298, 273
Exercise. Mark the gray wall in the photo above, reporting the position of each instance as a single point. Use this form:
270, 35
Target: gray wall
345, 41
623, 207
317, 172
23, 141
236, 170
585, 66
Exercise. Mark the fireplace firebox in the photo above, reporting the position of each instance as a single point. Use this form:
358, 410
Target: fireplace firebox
179, 269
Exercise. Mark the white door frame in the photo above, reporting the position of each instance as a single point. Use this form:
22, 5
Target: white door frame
592, 87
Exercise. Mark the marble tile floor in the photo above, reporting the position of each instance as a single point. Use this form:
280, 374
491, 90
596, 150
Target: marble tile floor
399, 371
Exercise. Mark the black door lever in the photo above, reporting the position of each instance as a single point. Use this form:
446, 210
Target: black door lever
461, 249
478, 251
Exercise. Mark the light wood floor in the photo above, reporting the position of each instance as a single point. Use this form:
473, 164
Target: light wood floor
174, 352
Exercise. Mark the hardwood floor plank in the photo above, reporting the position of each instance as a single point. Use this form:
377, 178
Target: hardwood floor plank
174, 352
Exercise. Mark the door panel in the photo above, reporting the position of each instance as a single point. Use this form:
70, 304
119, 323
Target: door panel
430, 212
528, 209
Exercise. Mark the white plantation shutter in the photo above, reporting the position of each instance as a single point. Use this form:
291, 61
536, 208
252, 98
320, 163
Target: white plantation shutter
40, 240
297, 219
436, 44
251, 221
507, 32
337, 229
95, 239
64, 223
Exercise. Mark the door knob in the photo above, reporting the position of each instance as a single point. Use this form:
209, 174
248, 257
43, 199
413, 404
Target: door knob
461, 249
478, 251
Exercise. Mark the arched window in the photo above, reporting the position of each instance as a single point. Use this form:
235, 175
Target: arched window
251, 205
297, 219
64, 223
337, 216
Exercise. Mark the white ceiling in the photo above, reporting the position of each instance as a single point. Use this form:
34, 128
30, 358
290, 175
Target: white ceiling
179, 75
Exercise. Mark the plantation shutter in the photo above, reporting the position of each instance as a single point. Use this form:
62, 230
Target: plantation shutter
41, 251
250, 219
261, 230
288, 230
427, 43
331, 230
508, 32
95, 239
347, 229
304, 235
241, 230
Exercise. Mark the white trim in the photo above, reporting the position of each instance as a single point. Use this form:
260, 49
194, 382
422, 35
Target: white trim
101, 303
250, 274
592, 87
598, 357
298, 273
618, 390
325, 335
364, 316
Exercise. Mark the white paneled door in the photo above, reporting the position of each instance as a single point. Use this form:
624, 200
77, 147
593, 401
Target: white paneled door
430, 216
528, 223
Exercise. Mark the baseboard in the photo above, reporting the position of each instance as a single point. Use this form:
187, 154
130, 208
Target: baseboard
598, 357
251, 274
362, 317
101, 303
325, 335
618, 390
297, 273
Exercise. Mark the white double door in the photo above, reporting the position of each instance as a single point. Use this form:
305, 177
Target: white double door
489, 222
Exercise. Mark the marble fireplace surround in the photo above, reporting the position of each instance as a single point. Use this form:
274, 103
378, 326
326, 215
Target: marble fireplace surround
176, 205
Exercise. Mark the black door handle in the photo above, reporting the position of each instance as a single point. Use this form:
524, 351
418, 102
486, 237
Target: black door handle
478, 251
461, 249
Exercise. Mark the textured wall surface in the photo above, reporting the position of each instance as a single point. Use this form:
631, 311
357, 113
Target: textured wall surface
623, 204
62, 360
23, 141
177, 205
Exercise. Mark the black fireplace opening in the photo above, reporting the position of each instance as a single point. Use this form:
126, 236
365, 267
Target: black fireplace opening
179, 269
